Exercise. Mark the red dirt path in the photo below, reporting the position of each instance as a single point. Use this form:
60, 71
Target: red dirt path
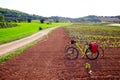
46, 61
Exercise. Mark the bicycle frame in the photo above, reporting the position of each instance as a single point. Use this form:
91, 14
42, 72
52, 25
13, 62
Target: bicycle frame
84, 49
79, 47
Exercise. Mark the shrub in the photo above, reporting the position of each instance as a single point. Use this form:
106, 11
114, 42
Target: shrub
7, 25
42, 21
1, 18
40, 28
29, 20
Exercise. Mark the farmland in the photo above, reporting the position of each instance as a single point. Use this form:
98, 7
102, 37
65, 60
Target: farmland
23, 30
107, 37
46, 59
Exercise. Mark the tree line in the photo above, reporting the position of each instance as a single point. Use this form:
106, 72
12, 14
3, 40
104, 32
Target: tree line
7, 15
17, 16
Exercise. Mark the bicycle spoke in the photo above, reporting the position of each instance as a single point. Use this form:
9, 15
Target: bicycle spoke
72, 53
91, 55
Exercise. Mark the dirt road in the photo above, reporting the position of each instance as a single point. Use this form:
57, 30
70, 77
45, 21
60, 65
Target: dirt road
12, 46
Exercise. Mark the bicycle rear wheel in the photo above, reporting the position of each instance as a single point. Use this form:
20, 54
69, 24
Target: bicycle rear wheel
90, 55
72, 53
101, 52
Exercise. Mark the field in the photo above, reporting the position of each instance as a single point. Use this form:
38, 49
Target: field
107, 37
114, 25
46, 59
23, 30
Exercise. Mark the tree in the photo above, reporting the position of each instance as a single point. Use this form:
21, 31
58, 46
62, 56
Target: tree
42, 21
57, 21
1, 18
29, 20
118, 17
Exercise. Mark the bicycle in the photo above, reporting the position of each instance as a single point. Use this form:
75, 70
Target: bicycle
90, 50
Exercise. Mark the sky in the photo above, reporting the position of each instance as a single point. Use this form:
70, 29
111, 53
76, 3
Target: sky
65, 8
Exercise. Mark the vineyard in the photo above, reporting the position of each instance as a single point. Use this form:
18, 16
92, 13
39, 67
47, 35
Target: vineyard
105, 36
108, 38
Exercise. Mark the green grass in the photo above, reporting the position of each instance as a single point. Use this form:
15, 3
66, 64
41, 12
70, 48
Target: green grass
23, 30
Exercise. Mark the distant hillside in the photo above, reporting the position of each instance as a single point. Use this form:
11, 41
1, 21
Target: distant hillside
14, 15
110, 19
90, 18
93, 18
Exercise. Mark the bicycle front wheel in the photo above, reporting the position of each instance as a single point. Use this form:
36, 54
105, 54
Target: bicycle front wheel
72, 53
90, 55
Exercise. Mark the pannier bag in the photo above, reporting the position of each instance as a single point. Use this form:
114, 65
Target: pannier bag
93, 47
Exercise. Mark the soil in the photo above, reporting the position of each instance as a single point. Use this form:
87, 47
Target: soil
46, 61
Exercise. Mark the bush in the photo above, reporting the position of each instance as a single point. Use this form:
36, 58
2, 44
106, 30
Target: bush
2, 24
29, 20
42, 21
7, 25
1, 18
40, 28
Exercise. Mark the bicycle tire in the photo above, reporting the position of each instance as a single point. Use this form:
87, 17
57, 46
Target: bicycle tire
90, 55
101, 52
67, 46
72, 53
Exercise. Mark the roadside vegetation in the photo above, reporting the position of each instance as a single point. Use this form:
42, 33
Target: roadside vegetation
14, 53
24, 29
